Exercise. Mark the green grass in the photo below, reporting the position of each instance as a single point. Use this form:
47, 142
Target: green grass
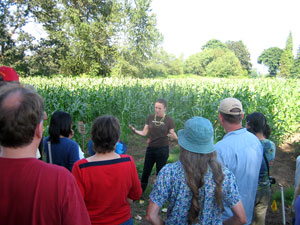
288, 196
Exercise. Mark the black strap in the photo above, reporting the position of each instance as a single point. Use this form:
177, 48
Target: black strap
267, 164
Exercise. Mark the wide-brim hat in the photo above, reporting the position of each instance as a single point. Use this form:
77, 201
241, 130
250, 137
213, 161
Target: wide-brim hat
197, 136
8, 74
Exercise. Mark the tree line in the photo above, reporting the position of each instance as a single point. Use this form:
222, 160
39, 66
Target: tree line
116, 38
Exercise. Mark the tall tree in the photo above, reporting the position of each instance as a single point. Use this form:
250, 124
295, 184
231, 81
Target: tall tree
242, 53
219, 62
271, 58
287, 58
13, 40
139, 37
86, 36
296, 68
214, 43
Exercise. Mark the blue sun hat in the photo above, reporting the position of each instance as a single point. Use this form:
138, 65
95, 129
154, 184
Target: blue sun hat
197, 136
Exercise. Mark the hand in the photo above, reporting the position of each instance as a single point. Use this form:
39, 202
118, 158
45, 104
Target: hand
170, 136
129, 201
132, 128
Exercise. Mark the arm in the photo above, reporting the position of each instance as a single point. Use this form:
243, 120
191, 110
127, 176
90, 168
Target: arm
135, 191
143, 132
74, 211
239, 215
172, 135
74, 155
152, 214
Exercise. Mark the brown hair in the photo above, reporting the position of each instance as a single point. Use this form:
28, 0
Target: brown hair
21, 111
105, 133
162, 101
235, 119
196, 166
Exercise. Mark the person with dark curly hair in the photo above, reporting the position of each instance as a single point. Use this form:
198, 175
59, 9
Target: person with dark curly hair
196, 187
108, 181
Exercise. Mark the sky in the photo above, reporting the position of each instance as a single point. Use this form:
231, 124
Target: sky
188, 24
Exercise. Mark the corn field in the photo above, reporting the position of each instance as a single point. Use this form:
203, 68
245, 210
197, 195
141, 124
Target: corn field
132, 100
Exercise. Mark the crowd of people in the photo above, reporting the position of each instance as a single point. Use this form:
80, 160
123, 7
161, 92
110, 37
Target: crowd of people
223, 183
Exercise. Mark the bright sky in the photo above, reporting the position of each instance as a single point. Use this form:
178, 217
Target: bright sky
188, 24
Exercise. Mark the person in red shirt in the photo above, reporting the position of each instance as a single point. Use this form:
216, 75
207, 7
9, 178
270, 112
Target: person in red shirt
9, 75
108, 181
32, 192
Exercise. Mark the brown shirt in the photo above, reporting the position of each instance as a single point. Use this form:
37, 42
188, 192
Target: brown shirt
159, 130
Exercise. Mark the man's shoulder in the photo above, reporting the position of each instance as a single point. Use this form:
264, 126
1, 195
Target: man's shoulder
236, 139
51, 170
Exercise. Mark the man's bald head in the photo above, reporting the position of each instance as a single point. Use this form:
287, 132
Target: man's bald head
21, 110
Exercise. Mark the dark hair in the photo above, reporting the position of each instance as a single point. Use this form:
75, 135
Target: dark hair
60, 124
105, 133
258, 124
21, 111
162, 101
195, 167
235, 119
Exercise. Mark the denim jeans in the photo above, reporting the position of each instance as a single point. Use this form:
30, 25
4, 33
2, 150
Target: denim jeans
128, 222
263, 197
154, 155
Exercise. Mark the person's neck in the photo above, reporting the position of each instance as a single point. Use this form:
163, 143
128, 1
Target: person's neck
160, 115
104, 156
232, 127
260, 136
28, 151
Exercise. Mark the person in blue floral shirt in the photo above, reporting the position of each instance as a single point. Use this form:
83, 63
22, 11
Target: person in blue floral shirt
196, 187
257, 124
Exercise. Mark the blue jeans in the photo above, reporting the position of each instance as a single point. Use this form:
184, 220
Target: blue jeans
128, 222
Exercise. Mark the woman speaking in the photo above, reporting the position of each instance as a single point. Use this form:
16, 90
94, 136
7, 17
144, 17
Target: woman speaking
160, 127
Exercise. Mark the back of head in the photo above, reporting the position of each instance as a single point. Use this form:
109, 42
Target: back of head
231, 110
60, 125
21, 111
196, 155
257, 123
8, 74
105, 133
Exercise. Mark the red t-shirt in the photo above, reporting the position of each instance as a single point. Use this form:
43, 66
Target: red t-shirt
105, 186
36, 193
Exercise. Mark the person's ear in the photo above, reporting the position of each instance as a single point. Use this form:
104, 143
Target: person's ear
221, 118
39, 130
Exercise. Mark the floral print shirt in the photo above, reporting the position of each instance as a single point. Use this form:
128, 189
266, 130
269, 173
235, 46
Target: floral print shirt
171, 186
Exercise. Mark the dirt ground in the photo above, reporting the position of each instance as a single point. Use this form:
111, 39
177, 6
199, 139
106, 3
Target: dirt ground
283, 170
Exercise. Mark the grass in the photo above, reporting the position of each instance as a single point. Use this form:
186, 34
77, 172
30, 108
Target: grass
288, 196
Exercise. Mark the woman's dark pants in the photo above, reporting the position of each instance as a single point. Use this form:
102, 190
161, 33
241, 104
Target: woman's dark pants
159, 156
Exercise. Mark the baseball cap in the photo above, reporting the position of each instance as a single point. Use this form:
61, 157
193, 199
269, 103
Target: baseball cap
8, 74
231, 106
197, 136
